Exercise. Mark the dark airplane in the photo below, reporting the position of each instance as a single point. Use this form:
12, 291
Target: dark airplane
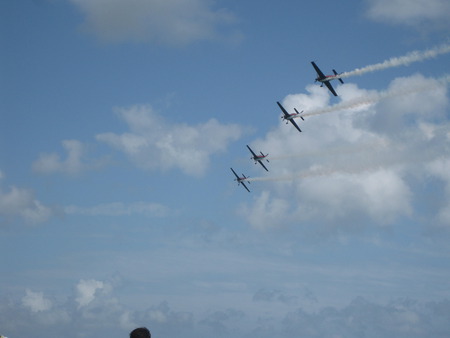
325, 79
258, 158
290, 117
241, 180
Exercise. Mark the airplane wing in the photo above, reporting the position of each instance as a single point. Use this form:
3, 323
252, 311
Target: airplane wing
254, 155
282, 109
295, 125
235, 173
260, 162
242, 182
318, 71
330, 87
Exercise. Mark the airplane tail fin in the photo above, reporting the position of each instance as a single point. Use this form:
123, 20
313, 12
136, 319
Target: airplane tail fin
336, 73
299, 113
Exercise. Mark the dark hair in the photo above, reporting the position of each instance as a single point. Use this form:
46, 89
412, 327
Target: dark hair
140, 332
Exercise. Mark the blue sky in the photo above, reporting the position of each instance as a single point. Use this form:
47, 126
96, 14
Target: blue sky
121, 119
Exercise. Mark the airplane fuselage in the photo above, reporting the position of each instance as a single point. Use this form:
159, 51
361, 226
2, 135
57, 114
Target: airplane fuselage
327, 78
290, 116
241, 180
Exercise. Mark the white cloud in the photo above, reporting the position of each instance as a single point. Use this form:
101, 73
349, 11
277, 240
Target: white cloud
87, 290
126, 321
171, 22
352, 166
409, 12
73, 164
154, 144
19, 202
381, 195
386, 195
157, 316
441, 168
266, 212
395, 112
36, 301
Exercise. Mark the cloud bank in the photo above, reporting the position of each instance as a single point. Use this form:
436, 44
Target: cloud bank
95, 310
361, 165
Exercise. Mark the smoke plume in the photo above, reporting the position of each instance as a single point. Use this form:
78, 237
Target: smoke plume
375, 97
405, 60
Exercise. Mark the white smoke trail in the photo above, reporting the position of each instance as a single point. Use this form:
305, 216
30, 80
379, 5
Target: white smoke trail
391, 155
338, 150
405, 60
375, 97
290, 177
315, 173
387, 161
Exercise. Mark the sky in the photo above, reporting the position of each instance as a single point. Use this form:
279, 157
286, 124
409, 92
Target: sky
120, 121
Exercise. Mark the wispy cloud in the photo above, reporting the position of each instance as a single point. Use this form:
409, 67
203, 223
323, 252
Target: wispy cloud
410, 12
153, 143
265, 295
74, 163
169, 22
400, 318
120, 209
21, 203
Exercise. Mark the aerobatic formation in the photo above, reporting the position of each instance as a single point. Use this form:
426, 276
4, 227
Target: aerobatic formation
405, 60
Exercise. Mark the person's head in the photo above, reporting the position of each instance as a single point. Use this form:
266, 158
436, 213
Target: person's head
140, 332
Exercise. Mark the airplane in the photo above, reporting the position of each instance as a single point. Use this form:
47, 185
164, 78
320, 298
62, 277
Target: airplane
290, 117
325, 79
258, 158
240, 180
